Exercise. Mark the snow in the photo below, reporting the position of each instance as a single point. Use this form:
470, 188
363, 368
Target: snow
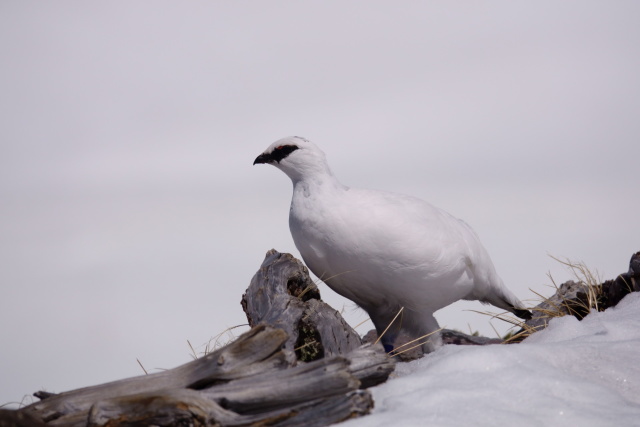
573, 373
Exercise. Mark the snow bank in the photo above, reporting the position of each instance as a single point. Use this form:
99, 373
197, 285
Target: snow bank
573, 373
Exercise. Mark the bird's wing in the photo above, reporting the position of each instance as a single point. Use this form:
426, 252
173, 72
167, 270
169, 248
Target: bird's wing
406, 230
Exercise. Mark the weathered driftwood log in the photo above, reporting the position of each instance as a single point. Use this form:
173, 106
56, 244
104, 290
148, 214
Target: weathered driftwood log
282, 294
257, 351
273, 396
249, 381
184, 407
11, 418
614, 290
255, 380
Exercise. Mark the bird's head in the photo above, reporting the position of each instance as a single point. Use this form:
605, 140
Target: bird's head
298, 157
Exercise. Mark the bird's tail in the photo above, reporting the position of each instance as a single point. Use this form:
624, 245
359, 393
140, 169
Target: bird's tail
503, 298
522, 313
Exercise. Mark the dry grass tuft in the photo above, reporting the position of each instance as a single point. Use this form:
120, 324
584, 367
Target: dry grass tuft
590, 280
223, 338
512, 335
419, 340
143, 369
27, 400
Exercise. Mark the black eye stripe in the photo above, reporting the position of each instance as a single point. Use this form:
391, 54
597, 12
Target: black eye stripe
283, 151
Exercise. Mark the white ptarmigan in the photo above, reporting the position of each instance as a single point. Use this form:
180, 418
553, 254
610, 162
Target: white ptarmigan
384, 251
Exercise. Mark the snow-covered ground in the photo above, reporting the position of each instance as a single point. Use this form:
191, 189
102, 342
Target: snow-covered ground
571, 374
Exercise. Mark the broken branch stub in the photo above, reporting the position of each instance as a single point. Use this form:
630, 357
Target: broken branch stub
281, 294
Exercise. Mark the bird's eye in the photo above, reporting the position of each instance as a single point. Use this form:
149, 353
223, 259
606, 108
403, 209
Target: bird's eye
282, 151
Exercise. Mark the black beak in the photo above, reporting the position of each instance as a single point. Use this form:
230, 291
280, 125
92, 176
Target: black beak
263, 158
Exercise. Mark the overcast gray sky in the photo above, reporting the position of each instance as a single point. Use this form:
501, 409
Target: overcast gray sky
131, 219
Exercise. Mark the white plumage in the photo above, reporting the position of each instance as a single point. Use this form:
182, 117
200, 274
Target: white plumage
384, 251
